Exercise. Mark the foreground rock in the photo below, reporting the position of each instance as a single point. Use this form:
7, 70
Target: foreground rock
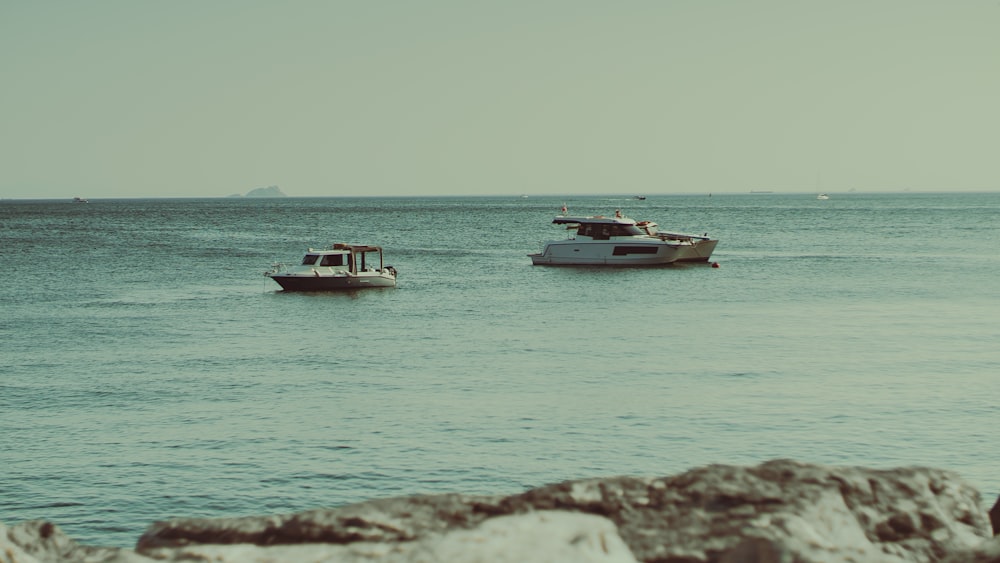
781, 511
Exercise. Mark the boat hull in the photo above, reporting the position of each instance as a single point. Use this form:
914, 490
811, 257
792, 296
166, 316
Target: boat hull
622, 253
611, 253
299, 282
699, 251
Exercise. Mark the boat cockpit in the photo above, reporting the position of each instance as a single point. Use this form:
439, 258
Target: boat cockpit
604, 231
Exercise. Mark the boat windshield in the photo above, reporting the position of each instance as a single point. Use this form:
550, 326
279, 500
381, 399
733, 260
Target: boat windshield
332, 260
605, 231
310, 259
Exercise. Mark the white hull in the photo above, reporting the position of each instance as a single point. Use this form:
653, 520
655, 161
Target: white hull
698, 251
623, 253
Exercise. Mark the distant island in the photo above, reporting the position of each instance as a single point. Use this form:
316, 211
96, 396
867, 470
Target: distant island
270, 191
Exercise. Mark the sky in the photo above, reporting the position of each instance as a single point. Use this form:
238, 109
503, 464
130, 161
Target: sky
196, 98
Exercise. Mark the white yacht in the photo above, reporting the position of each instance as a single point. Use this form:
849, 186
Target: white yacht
342, 266
620, 241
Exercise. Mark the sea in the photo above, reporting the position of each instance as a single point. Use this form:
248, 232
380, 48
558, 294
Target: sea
151, 371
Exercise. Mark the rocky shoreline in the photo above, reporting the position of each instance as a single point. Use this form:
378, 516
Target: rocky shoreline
780, 511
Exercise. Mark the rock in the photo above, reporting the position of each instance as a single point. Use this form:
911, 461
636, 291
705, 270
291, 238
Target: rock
44, 542
777, 512
270, 191
995, 517
537, 537
986, 552
784, 509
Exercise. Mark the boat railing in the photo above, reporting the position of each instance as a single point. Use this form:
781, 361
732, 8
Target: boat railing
681, 237
275, 268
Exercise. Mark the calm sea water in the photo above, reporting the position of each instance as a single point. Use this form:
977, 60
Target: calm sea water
150, 371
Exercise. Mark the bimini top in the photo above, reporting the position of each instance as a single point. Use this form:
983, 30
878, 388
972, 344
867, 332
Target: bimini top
341, 247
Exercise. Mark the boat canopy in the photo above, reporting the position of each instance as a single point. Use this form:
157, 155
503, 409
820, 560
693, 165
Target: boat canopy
359, 247
340, 246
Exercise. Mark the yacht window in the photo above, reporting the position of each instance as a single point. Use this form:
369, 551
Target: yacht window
310, 259
604, 231
626, 230
333, 260
596, 232
639, 249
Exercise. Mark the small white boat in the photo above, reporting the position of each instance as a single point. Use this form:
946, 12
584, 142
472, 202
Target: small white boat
822, 196
620, 241
80, 200
342, 266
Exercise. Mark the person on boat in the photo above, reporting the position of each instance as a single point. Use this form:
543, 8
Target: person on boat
618, 213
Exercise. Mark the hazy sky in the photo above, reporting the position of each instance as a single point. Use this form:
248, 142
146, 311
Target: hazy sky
137, 98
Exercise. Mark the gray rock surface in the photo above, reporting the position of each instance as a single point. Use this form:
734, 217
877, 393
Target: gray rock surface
780, 511
995, 517
270, 191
